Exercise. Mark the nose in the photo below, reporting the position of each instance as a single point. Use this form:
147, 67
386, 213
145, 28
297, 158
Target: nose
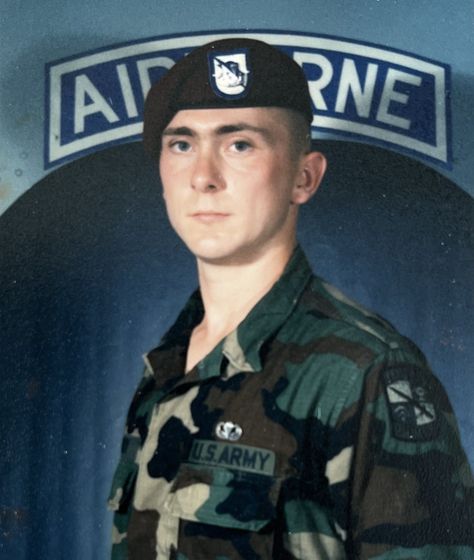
207, 176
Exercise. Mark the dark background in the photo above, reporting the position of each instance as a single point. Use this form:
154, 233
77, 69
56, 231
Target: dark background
91, 274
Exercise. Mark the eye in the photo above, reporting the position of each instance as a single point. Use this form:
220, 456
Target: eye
241, 146
180, 146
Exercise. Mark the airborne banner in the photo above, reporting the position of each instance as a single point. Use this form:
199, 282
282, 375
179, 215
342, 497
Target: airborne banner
365, 92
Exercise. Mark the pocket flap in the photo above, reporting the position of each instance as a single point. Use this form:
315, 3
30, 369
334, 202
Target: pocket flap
223, 497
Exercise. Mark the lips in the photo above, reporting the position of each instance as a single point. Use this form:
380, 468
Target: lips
209, 216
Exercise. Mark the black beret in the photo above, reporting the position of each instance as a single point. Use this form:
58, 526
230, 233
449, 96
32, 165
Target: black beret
229, 73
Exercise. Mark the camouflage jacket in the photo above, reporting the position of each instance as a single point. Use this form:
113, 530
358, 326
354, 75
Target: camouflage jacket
313, 431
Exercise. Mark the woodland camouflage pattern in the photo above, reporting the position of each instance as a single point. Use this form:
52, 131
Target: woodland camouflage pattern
335, 441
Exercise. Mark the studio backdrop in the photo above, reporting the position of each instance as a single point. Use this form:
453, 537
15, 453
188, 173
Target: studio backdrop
91, 273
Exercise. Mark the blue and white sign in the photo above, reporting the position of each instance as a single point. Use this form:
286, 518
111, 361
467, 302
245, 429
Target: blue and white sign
367, 92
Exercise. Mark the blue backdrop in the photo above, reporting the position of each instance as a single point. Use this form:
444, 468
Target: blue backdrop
92, 274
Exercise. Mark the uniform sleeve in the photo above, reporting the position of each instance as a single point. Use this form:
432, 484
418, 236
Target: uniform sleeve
409, 489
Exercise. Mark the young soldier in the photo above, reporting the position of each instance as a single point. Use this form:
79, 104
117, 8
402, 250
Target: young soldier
276, 419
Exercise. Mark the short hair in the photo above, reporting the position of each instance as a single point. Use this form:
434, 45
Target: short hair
300, 132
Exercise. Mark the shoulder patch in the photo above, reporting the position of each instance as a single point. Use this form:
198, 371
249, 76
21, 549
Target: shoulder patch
410, 400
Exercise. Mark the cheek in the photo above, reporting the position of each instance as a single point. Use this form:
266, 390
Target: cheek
279, 185
175, 218
172, 204
167, 173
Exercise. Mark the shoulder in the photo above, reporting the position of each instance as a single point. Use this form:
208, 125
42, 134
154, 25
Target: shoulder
336, 349
327, 320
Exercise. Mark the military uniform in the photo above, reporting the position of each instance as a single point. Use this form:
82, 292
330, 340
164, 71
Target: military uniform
313, 431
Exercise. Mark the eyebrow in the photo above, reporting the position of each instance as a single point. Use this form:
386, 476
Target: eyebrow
179, 131
222, 130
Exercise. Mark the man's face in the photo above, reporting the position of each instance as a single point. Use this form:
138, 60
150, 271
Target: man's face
228, 177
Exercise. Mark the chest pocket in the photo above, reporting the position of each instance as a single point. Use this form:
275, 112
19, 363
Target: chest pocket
223, 497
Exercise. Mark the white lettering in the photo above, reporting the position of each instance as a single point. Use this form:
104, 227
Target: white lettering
145, 65
344, 69
389, 94
316, 86
127, 91
349, 81
84, 87
263, 459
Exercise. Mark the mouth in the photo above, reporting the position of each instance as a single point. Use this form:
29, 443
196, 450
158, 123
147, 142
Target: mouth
209, 216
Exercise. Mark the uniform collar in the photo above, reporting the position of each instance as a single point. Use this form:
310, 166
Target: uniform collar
242, 346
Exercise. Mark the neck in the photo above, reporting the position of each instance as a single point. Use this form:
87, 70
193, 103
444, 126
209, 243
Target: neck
229, 292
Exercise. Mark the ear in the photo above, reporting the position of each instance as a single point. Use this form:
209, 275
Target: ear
310, 175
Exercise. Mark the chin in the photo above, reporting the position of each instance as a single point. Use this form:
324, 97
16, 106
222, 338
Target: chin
230, 256
209, 250
214, 256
